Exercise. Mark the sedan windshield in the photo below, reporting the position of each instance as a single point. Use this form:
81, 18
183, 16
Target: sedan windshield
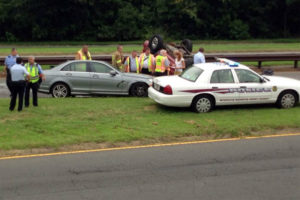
191, 74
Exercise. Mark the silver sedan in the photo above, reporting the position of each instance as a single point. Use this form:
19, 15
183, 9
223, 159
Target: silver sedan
93, 78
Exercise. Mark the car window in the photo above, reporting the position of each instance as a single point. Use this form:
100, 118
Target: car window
100, 68
246, 76
191, 73
222, 76
76, 67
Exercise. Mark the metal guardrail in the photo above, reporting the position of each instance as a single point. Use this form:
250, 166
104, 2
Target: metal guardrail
239, 57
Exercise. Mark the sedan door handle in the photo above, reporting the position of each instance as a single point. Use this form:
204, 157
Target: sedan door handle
244, 87
215, 88
68, 74
95, 76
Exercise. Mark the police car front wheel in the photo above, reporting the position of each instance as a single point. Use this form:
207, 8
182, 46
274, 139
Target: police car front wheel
203, 104
287, 99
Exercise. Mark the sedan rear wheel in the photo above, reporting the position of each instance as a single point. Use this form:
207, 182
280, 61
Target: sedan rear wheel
60, 90
139, 90
287, 100
203, 104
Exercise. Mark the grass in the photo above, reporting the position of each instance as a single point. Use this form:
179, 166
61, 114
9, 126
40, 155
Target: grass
107, 48
58, 122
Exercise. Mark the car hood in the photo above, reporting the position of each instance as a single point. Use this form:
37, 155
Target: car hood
282, 80
174, 81
135, 75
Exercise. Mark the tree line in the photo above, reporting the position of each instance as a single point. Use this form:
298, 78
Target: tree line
119, 20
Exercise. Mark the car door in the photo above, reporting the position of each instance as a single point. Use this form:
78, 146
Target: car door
253, 89
102, 81
77, 75
224, 85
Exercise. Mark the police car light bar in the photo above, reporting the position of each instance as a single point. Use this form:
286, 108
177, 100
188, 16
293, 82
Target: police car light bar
231, 63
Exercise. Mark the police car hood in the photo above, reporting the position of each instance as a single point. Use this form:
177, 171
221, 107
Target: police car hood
174, 81
283, 80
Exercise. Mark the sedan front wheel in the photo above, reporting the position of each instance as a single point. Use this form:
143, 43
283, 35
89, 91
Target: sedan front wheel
287, 100
139, 90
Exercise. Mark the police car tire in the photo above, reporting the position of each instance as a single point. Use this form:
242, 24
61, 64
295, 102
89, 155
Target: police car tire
63, 87
139, 90
287, 99
188, 44
203, 104
158, 41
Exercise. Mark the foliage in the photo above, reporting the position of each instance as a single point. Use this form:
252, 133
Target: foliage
118, 20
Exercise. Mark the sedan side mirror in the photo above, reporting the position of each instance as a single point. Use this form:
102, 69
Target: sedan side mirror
113, 73
261, 80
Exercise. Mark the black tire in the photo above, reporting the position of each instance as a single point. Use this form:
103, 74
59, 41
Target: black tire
139, 90
60, 90
203, 104
156, 43
189, 62
287, 100
188, 44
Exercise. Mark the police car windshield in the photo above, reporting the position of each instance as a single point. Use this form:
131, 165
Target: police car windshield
191, 74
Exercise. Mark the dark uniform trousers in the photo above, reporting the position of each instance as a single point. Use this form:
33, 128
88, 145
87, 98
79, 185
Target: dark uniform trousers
34, 87
161, 73
17, 90
9, 81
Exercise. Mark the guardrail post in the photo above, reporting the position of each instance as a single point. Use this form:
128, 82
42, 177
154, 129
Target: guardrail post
259, 64
296, 64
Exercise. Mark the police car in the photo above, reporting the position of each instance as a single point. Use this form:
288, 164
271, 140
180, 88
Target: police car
204, 86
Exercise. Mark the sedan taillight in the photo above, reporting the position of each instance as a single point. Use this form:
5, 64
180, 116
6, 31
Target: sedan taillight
168, 90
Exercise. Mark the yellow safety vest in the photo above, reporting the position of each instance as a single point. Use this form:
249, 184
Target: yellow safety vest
82, 55
160, 64
128, 65
33, 72
150, 61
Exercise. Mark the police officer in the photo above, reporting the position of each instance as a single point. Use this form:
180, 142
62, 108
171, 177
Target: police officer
132, 63
147, 62
36, 72
83, 54
162, 64
9, 62
118, 58
18, 74
199, 57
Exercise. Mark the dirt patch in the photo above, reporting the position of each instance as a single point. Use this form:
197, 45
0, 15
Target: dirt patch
89, 146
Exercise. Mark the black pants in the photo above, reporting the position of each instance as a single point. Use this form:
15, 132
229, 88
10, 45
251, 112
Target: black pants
9, 82
145, 71
161, 73
34, 87
17, 89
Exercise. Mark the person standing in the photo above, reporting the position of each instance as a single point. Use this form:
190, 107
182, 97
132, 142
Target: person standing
83, 54
162, 64
147, 62
132, 63
199, 57
179, 63
18, 74
118, 58
36, 72
9, 62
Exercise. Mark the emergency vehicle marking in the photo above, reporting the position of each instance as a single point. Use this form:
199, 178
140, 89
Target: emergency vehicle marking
231, 90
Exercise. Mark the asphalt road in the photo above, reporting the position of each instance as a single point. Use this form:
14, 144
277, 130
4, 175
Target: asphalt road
4, 93
267, 168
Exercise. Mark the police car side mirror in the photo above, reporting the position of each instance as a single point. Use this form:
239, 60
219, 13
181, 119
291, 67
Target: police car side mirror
261, 80
113, 73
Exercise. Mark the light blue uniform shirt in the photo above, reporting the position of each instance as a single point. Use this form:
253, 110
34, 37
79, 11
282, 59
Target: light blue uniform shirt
132, 64
10, 61
199, 58
17, 72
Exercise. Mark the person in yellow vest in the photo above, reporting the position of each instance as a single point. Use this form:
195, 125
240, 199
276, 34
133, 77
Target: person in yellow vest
162, 64
83, 54
118, 58
132, 63
36, 73
147, 62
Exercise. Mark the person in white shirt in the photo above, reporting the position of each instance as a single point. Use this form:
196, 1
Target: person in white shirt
179, 63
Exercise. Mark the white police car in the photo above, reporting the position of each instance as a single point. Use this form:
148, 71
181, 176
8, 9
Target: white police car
204, 86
